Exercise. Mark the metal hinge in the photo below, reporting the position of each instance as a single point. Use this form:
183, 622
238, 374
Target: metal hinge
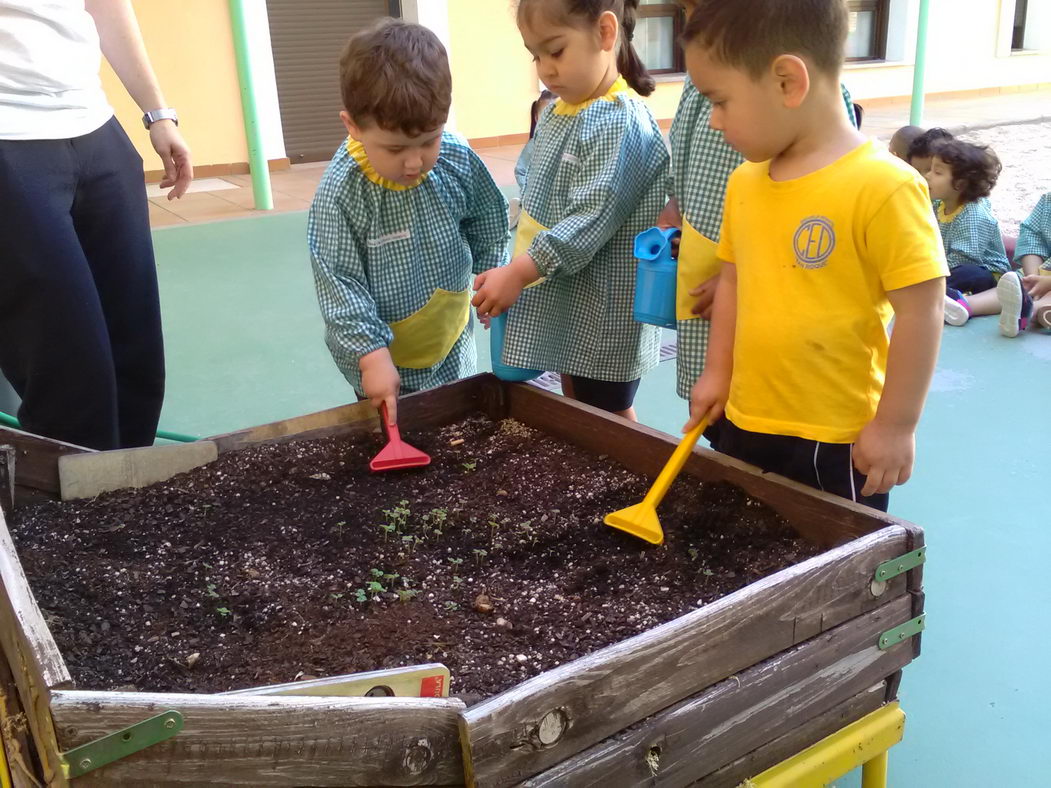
893, 637
114, 746
900, 565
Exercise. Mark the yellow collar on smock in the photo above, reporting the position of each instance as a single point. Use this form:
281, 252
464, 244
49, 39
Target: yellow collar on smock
357, 151
944, 217
562, 108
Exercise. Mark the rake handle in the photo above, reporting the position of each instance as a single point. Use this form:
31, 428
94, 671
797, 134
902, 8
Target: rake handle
671, 469
393, 435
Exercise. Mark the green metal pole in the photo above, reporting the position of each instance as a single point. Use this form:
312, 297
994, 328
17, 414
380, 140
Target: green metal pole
264, 198
919, 72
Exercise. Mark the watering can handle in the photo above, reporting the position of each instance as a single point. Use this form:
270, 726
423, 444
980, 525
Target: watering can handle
671, 470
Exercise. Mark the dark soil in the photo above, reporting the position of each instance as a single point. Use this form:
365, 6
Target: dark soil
291, 560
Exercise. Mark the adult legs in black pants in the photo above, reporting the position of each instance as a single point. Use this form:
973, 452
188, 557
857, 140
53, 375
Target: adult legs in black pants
80, 333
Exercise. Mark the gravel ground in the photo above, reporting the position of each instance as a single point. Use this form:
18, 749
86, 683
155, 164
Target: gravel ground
1025, 150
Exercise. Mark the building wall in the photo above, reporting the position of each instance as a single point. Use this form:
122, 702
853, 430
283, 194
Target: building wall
190, 46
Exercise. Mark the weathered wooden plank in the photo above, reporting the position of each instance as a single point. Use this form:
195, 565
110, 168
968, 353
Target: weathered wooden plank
30, 651
820, 517
423, 410
87, 475
555, 715
37, 462
14, 730
700, 735
294, 741
797, 740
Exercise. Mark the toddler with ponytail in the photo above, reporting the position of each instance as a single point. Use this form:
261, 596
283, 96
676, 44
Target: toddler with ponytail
596, 179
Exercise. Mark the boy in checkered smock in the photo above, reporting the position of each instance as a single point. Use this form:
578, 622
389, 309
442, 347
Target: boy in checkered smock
597, 178
961, 175
701, 163
1022, 300
403, 217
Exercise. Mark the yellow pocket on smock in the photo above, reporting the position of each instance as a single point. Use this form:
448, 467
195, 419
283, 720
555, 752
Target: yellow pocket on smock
425, 337
698, 262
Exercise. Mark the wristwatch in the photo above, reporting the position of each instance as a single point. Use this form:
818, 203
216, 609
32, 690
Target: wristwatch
165, 113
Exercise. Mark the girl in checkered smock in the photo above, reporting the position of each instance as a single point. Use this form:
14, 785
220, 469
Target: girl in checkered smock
597, 178
1021, 299
701, 163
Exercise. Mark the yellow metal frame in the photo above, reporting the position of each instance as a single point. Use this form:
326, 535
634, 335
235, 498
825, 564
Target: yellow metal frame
863, 743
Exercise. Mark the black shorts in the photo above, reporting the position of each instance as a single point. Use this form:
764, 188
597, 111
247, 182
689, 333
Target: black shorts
824, 466
604, 394
970, 279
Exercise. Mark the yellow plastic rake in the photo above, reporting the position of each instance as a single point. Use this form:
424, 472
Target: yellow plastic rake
641, 519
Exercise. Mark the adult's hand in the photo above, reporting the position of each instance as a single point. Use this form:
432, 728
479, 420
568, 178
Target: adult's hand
175, 156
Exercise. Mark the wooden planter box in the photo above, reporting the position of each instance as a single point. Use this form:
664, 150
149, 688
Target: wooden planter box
714, 696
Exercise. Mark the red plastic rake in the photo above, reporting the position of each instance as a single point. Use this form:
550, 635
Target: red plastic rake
397, 454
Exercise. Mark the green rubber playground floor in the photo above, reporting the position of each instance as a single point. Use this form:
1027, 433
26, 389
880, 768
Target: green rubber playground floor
245, 346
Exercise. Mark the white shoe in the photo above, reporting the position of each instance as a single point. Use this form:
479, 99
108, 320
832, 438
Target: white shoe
956, 314
1012, 303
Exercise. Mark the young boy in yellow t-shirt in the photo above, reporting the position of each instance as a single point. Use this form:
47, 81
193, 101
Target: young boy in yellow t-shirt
825, 237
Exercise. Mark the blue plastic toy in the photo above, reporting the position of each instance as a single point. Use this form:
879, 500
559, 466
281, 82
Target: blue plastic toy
496, 353
655, 277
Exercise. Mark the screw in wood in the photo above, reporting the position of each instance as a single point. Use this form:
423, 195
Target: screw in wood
169, 723
85, 763
551, 727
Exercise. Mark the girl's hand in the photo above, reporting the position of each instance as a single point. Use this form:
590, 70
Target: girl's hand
705, 295
670, 216
885, 454
175, 156
381, 381
498, 288
1037, 285
708, 398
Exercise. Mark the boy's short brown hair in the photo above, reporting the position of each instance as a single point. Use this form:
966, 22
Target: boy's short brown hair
396, 75
749, 34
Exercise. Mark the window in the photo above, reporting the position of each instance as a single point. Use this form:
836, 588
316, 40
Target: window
657, 36
1018, 33
868, 30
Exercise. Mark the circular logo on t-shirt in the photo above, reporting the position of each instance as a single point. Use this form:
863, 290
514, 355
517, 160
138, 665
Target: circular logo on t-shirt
814, 242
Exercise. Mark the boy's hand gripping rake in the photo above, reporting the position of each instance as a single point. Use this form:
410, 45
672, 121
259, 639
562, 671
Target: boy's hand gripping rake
397, 454
641, 519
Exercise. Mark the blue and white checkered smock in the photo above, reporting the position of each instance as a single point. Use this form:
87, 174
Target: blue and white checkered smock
971, 236
380, 251
701, 164
1034, 235
597, 178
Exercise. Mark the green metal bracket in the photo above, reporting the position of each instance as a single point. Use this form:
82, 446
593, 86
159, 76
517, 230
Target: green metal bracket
114, 746
893, 637
900, 565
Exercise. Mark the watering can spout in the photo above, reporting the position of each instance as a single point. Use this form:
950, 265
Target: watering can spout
655, 244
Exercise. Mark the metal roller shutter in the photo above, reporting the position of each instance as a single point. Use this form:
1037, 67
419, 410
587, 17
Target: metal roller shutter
307, 38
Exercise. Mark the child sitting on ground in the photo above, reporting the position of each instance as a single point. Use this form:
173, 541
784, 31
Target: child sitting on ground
1023, 299
903, 139
403, 216
961, 174
838, 234
922, 148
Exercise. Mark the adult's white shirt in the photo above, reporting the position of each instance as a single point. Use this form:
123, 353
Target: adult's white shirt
49, 71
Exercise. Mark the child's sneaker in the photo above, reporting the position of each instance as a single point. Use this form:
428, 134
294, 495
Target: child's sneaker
1016, 305
957, 310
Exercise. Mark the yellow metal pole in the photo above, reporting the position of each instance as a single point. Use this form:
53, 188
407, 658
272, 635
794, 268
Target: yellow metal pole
874, 772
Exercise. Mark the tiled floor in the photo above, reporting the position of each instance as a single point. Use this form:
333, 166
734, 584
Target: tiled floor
294, 188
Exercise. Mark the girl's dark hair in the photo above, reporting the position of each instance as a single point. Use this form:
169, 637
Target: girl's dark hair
975, 167
534, 112
928, 143
629, 63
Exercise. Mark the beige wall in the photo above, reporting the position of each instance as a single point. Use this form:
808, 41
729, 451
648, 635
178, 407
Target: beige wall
494, 81
190, 44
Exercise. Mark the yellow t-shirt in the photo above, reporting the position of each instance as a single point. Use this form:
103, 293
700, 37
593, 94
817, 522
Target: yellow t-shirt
815, 258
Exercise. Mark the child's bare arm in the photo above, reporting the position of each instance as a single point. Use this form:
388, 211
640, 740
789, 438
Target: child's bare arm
1030, 264
710, 392
885, 449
